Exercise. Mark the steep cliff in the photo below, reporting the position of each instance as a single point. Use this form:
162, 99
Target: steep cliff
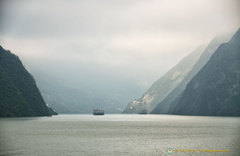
166, 105
19, 95
162, 87
215, 89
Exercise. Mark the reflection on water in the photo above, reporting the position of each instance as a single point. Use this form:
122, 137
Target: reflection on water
119, 135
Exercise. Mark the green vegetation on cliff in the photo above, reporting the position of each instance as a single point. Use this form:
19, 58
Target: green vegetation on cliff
19, 95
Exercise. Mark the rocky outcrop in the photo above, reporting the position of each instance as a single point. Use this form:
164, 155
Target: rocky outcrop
162, 87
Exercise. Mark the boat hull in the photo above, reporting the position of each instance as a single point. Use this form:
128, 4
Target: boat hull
98, 112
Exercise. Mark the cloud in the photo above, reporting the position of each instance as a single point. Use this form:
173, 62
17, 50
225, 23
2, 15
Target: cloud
138, 37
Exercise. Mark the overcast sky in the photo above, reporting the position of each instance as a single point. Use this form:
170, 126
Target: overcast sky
135, 39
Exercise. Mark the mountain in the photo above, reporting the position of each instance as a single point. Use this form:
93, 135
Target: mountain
71, 96
162, 87
215, 90
19, 95
166, 105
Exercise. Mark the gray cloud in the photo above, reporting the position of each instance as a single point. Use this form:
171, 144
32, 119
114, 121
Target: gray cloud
140, 38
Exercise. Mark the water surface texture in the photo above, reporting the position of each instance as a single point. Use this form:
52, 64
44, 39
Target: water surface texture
112, 135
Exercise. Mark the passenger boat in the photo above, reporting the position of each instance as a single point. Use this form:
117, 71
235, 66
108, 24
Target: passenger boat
98, 111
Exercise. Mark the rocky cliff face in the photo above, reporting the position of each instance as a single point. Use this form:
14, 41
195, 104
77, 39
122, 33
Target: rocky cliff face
19, 95
162, 87
166, 105
215, 89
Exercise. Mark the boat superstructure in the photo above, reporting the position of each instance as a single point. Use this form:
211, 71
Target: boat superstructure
98, 111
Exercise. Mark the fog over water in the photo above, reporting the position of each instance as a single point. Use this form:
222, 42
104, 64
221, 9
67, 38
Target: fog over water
111, 45
86, 52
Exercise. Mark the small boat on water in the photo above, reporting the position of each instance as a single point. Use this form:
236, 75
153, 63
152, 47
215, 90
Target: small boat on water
98, 111
144, 111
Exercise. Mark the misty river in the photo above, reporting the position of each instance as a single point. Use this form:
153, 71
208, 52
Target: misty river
119, 134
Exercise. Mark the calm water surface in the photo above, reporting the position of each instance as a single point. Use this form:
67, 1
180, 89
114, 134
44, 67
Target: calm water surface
114, 135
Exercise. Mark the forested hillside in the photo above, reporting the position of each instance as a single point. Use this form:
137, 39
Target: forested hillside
19, 95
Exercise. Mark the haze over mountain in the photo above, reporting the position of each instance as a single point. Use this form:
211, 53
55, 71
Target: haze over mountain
215, 89
19, 95
164, 106
73, 97
162, 87
105, 53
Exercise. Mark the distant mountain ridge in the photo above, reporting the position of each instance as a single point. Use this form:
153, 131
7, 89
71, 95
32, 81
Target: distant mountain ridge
75, 97
166, 105
19, 95
215, 89
162, 87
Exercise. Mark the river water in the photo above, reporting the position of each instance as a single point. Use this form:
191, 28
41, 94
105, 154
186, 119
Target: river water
116, 135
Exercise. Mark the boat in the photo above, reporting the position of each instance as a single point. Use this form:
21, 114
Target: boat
144, 111
98, 111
